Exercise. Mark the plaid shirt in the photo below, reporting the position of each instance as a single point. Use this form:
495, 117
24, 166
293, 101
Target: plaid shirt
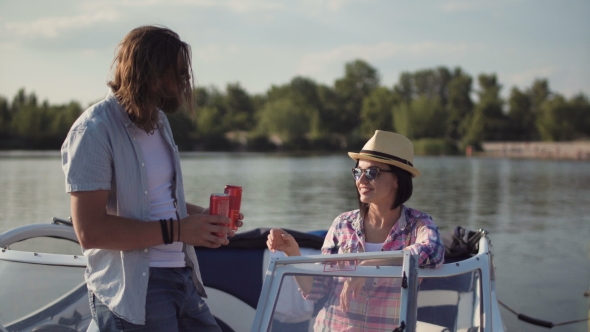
377, 307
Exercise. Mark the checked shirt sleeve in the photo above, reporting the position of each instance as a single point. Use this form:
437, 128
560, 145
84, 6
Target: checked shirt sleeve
428, 244
321, 285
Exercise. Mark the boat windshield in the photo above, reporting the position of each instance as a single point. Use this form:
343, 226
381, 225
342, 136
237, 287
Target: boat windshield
382, 295
42, 294
453, 303
388, 295
377, 304
48, 245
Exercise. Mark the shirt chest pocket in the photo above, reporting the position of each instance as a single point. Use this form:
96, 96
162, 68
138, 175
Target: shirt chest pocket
348, 247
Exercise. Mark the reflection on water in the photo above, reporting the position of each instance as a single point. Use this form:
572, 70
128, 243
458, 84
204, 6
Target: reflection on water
303, 193
537, 212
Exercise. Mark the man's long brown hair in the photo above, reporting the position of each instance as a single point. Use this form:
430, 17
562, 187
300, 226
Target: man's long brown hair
147, 59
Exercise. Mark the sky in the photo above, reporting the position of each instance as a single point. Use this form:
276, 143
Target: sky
62, 50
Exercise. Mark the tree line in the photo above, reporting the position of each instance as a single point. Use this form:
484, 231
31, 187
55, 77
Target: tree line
437, 108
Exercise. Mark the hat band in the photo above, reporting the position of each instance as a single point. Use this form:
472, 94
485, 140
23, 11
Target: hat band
385, 156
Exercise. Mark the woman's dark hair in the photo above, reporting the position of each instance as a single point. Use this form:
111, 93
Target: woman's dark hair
144, 56
404, 190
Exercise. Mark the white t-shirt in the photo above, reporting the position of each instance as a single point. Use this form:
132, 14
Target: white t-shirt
291, 307
371, 247
160, 174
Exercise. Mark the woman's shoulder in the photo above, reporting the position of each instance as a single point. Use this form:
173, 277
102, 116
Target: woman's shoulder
345, 220
415, 216
349, 216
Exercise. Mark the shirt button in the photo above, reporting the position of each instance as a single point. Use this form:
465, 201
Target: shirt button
143, 274
146, 250
142, 164
145, 192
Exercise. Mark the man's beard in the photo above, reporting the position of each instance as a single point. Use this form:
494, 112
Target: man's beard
169, 104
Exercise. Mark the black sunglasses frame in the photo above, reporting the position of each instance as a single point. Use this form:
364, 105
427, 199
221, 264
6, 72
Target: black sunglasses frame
367, 172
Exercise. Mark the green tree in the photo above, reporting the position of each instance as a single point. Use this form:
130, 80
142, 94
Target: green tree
429, 83
488, 114
404, 89
200, 97
581, 115
208, 122
460, 105
21, 99
474, 134
284, 122
29, 121
183, 128
62, 118
433, 84
377, 112
539, 93
330, 109
556, 120
359, 80
424, 117
425, 101
521, 116
560, 119
240, 110
5, 117
303, 93
210, 132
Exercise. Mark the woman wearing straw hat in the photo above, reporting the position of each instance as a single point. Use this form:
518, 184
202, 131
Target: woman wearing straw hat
383, 177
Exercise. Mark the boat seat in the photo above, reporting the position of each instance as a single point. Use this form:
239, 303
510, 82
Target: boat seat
236, 271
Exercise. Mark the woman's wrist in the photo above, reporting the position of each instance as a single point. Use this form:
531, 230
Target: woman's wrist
294, 252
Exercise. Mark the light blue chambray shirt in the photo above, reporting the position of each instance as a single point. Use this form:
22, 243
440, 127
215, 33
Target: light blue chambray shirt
101, 153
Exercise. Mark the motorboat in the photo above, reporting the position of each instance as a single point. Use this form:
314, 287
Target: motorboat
250, 288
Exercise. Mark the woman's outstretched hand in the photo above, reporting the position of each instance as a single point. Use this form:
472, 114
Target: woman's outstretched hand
279, 239
351, 290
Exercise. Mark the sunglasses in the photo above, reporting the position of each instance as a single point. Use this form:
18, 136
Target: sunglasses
370, 173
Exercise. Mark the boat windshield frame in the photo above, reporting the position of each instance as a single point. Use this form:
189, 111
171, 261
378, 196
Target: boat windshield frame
315, 265
482, 263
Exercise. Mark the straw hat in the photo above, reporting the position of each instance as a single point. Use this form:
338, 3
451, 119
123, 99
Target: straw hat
389, 148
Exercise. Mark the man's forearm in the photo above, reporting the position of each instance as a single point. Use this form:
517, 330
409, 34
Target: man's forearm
118, 233
98, 230
195, 209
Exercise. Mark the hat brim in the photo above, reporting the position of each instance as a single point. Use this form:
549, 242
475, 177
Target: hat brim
358, 156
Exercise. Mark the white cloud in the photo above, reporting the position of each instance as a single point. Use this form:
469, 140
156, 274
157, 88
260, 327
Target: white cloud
101, 11
332, 5
214, 52
249, 5
318, 8
315, 62
233, 5
525, 78
51, 27
462, 5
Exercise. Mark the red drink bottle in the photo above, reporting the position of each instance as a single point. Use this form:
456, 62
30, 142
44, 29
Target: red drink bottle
235, 200
219, 205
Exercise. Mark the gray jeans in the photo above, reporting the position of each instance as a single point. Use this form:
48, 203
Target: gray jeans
172, 305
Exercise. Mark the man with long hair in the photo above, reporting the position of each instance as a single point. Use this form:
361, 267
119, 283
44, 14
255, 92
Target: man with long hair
122, 171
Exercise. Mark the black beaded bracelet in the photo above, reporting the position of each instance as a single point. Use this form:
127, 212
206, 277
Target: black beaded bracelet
178, 230
171, 223
178, 218
165, 234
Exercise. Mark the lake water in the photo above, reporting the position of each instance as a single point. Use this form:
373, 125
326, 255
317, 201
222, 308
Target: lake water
536, 211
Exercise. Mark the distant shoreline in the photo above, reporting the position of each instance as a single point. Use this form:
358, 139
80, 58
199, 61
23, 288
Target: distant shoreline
577, 150
29, 153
